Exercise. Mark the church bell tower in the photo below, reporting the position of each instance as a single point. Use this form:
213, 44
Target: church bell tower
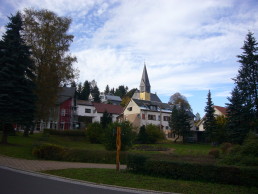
145, 88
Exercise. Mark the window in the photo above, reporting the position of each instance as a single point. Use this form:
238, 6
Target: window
166, 118
63, 112
130, 108
153, 107
87, 110
159, 117
143, 116
152, 117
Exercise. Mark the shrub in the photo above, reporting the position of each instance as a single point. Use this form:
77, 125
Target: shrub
74, 132
48, 152
194, 171
154, 134
127, 135
95, 133
136, 162
226, 147
55, 152
214, 152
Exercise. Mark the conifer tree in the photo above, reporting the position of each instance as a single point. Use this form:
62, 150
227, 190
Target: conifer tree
106, 119
95, 93
85, 92
209, 120
236, 124
247, 81
17, 99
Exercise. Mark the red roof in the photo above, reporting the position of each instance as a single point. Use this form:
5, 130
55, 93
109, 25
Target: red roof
223, 110
110, 108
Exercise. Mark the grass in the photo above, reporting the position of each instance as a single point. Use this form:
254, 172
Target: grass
21, 147
127, 179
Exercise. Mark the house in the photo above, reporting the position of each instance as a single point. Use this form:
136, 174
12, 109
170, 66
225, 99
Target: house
64, 115
110, 99
89, 112
219, 111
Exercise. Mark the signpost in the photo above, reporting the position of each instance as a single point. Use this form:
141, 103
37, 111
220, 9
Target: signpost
118, 147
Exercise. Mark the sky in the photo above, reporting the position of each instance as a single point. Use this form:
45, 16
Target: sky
188, 46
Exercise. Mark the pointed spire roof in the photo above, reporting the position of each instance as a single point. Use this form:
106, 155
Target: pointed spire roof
145, 83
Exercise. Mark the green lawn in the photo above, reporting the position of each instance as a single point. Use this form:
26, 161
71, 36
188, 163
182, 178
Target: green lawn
21, 147
126, 179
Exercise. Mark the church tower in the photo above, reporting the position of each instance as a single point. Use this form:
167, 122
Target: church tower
145, 88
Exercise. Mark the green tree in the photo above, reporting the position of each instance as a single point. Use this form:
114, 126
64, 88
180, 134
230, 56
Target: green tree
106, 119
95, 132
247, 81
95, 93
154, 134
180, 122
85, 92
121, 91
221, 123
107, 90
209, 119
17, 100
237, 127
46, 34
180, 100
127, 135
142, 135
79, 91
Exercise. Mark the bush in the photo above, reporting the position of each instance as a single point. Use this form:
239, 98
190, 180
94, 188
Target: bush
48, 152
214, 152
153, 133
75, 132
127, 135
55, 152
194, 171
95, 133
226, 147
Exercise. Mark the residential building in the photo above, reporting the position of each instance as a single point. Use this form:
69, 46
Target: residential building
110, 99
89, 112
219, 111
64, 115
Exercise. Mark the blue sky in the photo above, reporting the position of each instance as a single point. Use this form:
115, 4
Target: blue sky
189, 46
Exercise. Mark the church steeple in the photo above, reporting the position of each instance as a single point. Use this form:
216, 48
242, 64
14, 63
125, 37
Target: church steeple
145, 87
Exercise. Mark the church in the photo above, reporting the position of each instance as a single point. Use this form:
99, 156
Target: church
146, 107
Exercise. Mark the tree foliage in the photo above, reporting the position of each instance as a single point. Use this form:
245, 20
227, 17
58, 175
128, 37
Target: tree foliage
17, 100
180, 100
95, 133
180, 122
209, 119
127, 135
85, 92
106, 119
46, 34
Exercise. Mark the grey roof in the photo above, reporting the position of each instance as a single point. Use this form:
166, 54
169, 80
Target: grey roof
65, 93
153, 97
113, 98
145, 83
144, 104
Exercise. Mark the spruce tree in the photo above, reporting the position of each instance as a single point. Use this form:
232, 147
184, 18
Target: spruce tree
236, 124
17, 99
95, 93
85, 92
247, 80
209, 120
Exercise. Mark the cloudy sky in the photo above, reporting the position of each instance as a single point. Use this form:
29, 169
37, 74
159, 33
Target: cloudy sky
189, 46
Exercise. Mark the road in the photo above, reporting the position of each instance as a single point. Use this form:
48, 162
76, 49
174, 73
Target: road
14, 181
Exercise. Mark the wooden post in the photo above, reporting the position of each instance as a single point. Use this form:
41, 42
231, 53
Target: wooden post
118, 147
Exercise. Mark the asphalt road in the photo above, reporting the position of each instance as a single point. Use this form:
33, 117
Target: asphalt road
14, 181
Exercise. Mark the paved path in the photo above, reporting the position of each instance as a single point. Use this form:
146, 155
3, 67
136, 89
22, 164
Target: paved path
41, 165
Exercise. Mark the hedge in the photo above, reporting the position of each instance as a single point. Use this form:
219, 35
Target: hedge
55, 152
75, 132
192, 171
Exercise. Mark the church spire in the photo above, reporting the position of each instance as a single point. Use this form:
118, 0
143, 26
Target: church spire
145, 83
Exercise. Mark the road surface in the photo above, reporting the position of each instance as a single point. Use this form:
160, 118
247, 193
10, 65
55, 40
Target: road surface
14, 181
